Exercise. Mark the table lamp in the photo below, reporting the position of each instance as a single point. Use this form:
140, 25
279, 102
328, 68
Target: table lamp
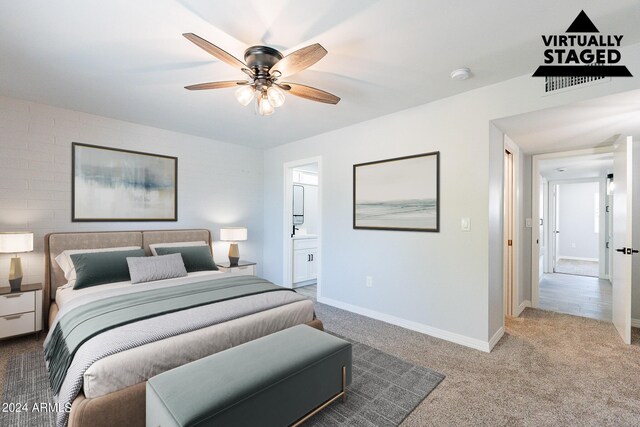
14, 243
233, 235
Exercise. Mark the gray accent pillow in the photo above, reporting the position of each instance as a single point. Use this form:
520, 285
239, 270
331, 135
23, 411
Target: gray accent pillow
196, 258
99, 268
152, 268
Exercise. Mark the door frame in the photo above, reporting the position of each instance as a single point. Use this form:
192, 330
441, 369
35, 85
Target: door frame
535, 212
553, 210
287, 242
512, 295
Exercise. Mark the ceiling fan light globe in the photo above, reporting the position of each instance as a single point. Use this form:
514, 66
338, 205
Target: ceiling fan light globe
276, 96
245, 94
264, 106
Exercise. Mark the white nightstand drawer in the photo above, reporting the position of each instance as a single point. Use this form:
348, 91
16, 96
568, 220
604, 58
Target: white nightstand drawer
17, 303
17, 324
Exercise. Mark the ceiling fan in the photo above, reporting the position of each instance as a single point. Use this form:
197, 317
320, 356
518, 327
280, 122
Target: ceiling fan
265, 66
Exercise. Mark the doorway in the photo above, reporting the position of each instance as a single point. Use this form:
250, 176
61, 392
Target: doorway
302, 226
573, 191
575, 206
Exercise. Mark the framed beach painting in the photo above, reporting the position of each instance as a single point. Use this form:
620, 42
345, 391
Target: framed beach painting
398, 194
110, 184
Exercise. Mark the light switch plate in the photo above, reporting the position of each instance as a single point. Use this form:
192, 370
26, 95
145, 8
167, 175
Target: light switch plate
527, 222
465, 224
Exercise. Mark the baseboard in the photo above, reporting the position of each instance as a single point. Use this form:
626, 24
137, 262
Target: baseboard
577, 258
521, 307
414, 326
635, 323
496, 337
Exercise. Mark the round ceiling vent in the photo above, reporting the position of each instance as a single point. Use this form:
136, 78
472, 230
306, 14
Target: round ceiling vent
461, 74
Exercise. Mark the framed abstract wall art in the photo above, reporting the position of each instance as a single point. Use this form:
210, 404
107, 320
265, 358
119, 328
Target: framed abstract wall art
110, 184
402, 194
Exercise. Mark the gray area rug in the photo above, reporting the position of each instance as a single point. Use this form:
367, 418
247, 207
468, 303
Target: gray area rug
384, 391
26, 388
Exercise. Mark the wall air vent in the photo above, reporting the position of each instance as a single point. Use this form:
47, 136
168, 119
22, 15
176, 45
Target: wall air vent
562, 84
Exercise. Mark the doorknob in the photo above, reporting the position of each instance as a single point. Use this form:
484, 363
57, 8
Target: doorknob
634, 251
623, 250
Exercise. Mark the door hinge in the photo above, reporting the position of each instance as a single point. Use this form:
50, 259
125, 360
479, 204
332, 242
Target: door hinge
509, 242
606, 245
607, 209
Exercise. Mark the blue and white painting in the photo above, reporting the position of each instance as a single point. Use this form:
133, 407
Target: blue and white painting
397, 194
115, 185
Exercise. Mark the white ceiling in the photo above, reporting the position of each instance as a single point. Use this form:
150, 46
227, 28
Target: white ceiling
579, 167
593, 123
127, 59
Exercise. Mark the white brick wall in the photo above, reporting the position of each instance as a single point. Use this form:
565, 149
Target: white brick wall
218, 183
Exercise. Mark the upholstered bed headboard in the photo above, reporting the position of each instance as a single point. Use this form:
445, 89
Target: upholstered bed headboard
55, 243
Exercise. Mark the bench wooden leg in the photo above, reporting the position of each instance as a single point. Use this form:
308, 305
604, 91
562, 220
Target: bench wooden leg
342, 394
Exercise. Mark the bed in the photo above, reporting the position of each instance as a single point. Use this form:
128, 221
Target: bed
113, 387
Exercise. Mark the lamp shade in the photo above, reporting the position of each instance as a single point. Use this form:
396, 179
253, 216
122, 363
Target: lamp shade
11, 243
233, 234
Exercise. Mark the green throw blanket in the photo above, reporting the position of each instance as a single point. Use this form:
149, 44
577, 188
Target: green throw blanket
90, 319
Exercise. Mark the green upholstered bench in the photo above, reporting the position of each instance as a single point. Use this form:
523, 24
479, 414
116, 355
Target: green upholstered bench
277, 380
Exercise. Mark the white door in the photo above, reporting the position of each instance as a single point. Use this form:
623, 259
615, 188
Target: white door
543, 208
622, 237
508, 232
555, 206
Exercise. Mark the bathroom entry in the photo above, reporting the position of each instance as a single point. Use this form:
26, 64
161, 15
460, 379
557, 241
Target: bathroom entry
302, 233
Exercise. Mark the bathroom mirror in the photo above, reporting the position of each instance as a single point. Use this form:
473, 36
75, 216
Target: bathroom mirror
298, 204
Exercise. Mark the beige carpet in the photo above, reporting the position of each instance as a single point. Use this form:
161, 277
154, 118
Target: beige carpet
550, 369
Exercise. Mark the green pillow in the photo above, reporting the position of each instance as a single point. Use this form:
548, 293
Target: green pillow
98, 268
195, 258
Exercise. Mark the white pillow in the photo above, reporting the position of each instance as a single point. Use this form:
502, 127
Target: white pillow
173, 245
66, 264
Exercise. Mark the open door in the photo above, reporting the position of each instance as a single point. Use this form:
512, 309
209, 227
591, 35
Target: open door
622, 236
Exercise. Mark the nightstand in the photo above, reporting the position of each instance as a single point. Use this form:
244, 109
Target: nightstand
244, 268
20, 311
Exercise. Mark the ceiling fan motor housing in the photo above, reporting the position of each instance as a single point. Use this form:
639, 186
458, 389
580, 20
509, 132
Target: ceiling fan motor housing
260, 59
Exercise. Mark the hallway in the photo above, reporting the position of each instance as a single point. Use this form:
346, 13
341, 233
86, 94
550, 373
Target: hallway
578, 295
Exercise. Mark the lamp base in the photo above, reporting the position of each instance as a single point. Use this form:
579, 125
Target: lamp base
234, 255
15, 274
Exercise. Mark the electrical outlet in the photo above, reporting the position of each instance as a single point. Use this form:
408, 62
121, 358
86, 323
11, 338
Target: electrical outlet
369, 282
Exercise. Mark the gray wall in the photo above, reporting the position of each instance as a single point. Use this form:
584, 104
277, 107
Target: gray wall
446, 283
218, 183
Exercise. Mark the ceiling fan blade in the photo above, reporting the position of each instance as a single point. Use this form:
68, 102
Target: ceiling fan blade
299, 60
308, 92
216, 85
215, 51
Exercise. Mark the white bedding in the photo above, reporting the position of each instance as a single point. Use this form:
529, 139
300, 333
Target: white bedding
136, 365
